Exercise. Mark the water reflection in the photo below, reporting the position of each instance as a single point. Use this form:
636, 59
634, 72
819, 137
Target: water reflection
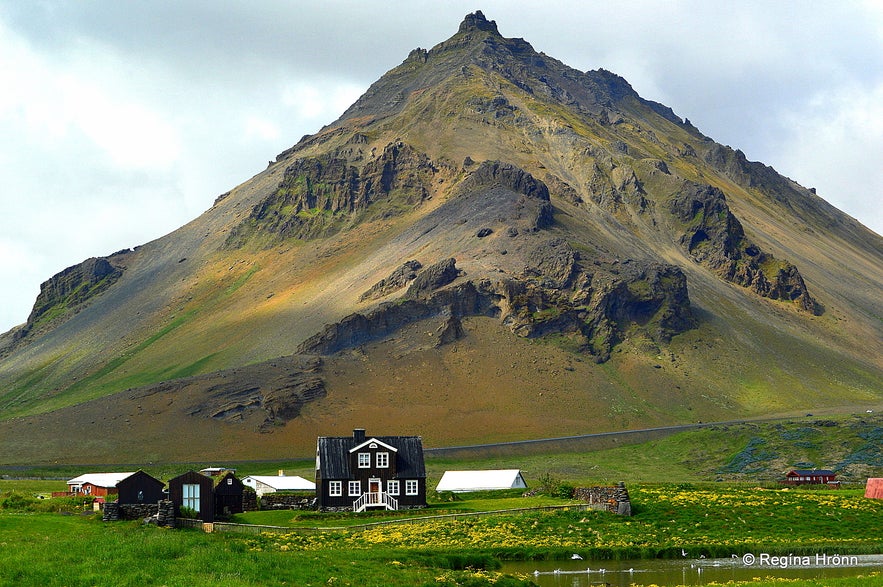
669, 573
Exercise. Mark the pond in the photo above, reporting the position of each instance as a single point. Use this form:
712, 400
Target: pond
668, 573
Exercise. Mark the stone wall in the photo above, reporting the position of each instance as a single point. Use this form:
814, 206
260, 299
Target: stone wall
288, 501
614, 499
161, 513
249, 501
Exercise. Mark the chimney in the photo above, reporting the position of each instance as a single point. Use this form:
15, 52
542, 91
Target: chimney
359, 435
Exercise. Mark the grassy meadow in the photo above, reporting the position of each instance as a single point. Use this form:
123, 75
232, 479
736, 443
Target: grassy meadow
718, 500
54, 542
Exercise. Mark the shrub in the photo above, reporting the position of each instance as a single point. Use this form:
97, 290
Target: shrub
187, 512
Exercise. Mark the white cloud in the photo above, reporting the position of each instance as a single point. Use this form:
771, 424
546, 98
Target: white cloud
320, 101
828, 144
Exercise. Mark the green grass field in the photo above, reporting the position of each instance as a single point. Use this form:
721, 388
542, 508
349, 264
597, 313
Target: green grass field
40, 546
54, 542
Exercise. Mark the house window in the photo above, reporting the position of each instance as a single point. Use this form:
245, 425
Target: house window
392, 486
411, 487
364, 460
191, 496
383, 460
335, 488
355, 488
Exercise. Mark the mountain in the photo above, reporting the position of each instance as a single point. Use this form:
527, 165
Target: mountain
488, 245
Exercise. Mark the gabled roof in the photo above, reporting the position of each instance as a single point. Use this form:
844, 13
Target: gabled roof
481, 480
812, 473
283, 483
371, 441
333, 460
100, 479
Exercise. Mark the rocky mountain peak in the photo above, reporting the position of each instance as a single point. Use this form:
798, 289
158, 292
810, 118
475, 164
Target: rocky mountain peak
478, 22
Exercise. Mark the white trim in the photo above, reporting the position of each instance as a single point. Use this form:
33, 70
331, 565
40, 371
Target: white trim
364, 463
385, 456
358, 488
373, 440
335, 489
393, 487
412, 487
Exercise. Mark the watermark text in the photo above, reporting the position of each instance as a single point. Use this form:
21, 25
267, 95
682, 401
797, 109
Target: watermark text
792, 560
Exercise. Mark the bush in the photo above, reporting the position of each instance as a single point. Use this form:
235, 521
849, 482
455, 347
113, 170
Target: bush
187, 512
18, 502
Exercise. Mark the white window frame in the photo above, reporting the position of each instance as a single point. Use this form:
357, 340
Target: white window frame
392, 486
364, 460
190, 496
382, 460
354, 488
412, 487
335, 488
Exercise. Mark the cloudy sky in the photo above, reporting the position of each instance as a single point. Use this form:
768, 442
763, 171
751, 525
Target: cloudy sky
121, 121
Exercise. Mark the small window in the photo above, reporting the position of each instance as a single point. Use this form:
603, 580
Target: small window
392, 487
364, 460
355, 488
229, 481
411, 487
383, 460
335, 488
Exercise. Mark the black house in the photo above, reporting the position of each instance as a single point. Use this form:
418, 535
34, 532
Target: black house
362, 472
228, 494
194, 491
139, 487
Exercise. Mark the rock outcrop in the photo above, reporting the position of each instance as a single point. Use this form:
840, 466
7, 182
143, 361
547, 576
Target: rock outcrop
714, 237
65, 293
319, 196
595, 308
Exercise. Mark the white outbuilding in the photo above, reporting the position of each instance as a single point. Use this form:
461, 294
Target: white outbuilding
272, 483
463, 481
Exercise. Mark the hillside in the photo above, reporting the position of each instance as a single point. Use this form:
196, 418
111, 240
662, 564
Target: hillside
488, 245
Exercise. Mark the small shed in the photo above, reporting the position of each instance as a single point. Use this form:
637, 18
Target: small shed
228, 494
195, 491
874, 488
139, 487
484, 480
271, 484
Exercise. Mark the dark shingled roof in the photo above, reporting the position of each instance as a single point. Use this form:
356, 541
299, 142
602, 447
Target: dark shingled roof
813, 473
333, 453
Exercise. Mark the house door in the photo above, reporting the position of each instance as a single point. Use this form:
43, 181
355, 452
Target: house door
374, 491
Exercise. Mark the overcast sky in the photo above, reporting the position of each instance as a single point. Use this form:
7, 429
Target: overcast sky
121, 121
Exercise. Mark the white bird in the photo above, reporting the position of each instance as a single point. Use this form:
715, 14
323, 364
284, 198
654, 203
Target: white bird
576, 557
683, 553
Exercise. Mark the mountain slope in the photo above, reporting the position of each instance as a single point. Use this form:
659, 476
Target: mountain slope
487, 245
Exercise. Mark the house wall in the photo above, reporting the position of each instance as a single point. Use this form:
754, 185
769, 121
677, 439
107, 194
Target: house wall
206, 494
97, 490
228, 495
140, 488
